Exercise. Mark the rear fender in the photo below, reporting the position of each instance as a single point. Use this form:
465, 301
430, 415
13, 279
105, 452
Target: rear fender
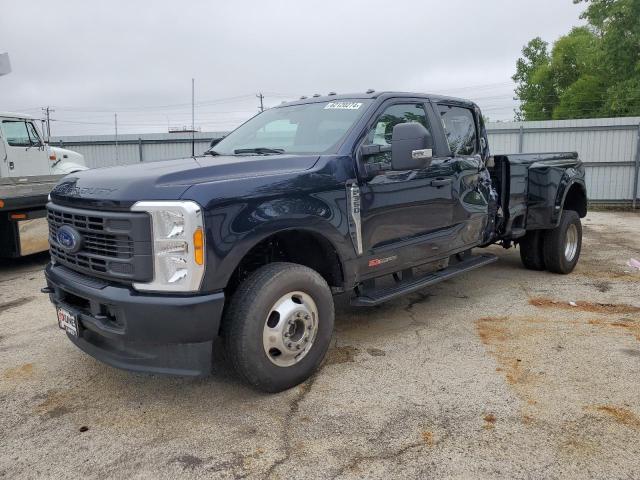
578, 200
549, 185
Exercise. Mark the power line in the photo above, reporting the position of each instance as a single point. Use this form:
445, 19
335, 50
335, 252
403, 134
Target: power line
150, 107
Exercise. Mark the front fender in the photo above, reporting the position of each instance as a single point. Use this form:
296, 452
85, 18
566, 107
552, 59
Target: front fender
233, 230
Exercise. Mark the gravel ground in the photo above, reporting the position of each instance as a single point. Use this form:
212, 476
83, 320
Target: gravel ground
491, 375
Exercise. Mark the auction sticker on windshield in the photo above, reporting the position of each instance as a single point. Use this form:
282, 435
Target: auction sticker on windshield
343, 106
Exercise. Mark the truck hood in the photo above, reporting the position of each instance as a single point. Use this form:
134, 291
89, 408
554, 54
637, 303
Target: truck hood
120, 187
67, 161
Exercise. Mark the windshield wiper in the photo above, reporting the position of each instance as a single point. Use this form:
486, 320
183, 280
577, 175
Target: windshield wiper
258, 150
211, 152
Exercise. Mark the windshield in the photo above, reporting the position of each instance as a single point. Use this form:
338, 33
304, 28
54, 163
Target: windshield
310, 128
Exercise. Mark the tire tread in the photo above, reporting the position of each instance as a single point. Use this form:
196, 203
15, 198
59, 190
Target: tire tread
553, 244
235, 334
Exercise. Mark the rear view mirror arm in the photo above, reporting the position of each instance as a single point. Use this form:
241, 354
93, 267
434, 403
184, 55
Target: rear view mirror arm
368, 150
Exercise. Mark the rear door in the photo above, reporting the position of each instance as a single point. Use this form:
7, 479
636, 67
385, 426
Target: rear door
26, 155
406, 215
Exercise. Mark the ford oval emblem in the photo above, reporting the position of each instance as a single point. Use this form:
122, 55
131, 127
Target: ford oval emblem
69, 239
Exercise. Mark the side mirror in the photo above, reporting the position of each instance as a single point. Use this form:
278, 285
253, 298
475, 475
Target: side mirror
411, 146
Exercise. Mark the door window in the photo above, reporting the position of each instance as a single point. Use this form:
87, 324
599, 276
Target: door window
382, 130
460, 129
34, 137
16, 133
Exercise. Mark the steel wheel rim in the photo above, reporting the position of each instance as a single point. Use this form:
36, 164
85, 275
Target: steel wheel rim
290, 329
571, 243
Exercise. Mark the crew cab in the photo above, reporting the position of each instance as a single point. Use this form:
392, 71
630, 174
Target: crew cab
29, 169
370, 196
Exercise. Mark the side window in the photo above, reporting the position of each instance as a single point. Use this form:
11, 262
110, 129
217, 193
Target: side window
380, 133
16, 133
33, 134
460, 129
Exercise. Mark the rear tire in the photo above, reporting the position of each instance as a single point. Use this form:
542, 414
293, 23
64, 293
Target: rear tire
278, 326
562, 245
531, 252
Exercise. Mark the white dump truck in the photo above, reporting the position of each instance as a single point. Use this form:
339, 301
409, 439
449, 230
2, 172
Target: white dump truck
29, 168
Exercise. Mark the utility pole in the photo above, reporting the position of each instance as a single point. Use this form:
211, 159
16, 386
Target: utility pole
193, 118
261, 97
47, 111
115, 117
5, 64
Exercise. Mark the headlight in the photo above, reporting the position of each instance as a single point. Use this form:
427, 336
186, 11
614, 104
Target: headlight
178, 245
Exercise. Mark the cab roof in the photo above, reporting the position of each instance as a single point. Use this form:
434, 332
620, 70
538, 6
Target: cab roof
371, 94
16, 115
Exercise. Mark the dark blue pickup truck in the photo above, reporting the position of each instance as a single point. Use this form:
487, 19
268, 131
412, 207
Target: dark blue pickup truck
368, 195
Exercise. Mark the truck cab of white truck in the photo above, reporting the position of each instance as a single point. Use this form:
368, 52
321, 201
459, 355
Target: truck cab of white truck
29, 168
24, 152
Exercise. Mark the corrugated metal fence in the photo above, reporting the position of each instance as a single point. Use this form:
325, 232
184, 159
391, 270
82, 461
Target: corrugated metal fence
610, 148
105, 151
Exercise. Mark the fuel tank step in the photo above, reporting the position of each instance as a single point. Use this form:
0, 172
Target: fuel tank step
370, 298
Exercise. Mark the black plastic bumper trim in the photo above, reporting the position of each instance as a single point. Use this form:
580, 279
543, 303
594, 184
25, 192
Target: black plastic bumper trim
141, 332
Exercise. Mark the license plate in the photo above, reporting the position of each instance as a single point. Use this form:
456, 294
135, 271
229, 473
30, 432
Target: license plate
67, 321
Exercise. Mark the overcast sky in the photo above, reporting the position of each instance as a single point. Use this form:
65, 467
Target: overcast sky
89, 59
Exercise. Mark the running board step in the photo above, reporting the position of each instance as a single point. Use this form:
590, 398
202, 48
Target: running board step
378, 296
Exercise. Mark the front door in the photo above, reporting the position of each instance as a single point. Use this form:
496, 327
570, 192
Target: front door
461, 128
26, 155
406, 215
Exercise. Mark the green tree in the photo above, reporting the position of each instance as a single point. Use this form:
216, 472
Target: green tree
593, 71
532, 82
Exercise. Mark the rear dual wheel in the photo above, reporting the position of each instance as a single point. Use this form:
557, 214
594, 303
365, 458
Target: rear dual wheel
556, 250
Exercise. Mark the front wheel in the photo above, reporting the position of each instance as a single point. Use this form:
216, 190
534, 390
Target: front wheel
562, 245
278, 326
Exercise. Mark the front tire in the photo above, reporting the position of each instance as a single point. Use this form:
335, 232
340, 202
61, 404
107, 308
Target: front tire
562, 244
278, 326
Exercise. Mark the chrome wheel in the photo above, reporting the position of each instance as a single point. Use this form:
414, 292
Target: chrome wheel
290, 329
571, 242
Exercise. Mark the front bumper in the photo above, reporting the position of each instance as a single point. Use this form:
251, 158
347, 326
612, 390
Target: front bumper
119, 326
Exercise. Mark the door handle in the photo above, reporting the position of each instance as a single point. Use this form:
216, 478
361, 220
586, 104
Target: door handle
441, 182
11, 166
